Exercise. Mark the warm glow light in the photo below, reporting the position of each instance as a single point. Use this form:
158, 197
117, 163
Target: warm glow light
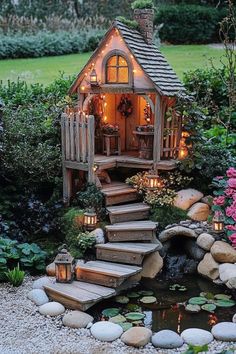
82, 88
134, 71
63, 267
154, 181
90, 220
105, 118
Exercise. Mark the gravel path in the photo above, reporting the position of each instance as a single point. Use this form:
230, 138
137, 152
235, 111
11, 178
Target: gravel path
24, 331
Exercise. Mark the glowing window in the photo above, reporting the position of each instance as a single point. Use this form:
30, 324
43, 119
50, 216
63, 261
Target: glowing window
117, 70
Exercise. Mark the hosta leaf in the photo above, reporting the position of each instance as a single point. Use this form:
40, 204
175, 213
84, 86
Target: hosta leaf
125, 325
192, 308
122, 299
209, 307
135, 316
148, 299
111, 312
198, 300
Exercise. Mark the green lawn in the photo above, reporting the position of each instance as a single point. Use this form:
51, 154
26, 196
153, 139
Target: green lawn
44, 70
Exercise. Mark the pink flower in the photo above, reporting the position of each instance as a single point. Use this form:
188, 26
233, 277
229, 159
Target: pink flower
231, 228
232, 183
229, 192
233, 240
231, 172
219, 177
219, 200
231, 212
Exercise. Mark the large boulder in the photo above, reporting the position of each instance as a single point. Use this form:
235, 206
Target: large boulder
77, 319
208, 267
225, 331
176, 231
193, 250
136, 336
205, 241
186, 198
152, 265
196, 336
222, 252
106, 331
199, 212
99, 235
227, 271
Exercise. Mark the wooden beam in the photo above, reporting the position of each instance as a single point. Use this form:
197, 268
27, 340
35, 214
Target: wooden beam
157, 142
91, 150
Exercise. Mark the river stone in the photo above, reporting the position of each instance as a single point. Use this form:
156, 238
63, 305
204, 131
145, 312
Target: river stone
99, 235
52, 309
187, 197
136, 336
234, 318
225, 331
231, 283
205, 241
51, 270
193, 250
222, 252
38, 296
199, 212
106, 331
77, 319
208, 267
196, 336
152, 265
227, 271
41, 282
167, 339
176, 231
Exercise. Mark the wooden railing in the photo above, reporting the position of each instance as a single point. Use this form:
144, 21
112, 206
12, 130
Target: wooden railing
77, 136
171, 137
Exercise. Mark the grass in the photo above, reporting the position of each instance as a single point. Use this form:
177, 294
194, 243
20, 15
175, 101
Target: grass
44, 70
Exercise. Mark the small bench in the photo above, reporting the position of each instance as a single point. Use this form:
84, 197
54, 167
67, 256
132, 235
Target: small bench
106, 144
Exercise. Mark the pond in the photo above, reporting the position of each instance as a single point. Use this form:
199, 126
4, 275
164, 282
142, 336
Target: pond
168, 312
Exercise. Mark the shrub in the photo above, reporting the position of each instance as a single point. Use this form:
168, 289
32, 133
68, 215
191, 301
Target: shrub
15, 276
91, 198
167, 215
127, 22
72, 224
142, 4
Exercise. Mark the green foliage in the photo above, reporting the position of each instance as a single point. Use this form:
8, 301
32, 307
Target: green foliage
142, 4
86, 242
189, 23
15, 276
130, 23
167, 215
195, 349
90, 198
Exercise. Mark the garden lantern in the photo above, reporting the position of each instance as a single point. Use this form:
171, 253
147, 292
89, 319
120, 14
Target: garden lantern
218, 223
90, 220
93, 78
64, 266
183, 147
154, 181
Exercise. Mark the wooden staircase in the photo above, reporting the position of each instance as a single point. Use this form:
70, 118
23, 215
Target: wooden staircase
131, 237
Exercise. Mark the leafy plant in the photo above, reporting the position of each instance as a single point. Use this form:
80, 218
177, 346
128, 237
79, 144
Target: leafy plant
167, 215
15, 276
85, 242
130, 23
195, 349
91, 197
142, 4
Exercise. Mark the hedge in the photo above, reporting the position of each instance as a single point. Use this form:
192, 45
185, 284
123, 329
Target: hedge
184, 24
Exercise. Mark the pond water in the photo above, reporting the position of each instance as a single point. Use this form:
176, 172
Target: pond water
167, 312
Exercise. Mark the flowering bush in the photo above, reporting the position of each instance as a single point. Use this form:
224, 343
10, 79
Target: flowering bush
225, 201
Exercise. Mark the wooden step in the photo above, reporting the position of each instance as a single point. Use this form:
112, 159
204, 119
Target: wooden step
128, 212
116, 193
78, 295
128, 252
131, 231
105, 273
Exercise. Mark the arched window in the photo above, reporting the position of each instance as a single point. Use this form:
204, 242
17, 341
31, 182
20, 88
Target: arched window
117, 70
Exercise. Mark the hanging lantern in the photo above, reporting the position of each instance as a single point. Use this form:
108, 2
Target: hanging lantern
90, 220
64, 266
218, 222
154, 181
93, 78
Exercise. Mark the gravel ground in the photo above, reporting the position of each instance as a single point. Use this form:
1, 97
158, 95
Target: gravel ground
24, 331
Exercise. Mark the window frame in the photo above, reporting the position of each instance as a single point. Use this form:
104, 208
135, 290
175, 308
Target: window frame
117, 53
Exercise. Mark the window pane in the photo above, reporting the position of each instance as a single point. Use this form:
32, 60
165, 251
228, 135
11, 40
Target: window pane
112, 61
122, 61
111, 74
123, 75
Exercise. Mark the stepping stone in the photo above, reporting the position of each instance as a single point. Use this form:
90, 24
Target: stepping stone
105, 273
128, 212
131, 231
130, 253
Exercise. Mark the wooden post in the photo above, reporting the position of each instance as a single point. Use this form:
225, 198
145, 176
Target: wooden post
67, 174
91, 141
157, 142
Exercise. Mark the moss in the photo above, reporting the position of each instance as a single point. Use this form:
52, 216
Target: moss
167, 215
142, 4
130, 23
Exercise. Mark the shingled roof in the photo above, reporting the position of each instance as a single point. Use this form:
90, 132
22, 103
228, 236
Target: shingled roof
151, 60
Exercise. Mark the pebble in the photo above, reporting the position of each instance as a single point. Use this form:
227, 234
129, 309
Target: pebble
77, 319
167, 339
196, 336
234, 318
225, 331
38, 296
41, 282
52, 309
106, 331
136, 336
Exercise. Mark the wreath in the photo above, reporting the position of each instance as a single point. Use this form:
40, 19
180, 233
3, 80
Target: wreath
125, 107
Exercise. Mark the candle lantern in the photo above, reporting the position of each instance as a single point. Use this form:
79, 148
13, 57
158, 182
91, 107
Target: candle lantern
154, 181
93, 78
183, 147
218, 222
64, 266
90, 220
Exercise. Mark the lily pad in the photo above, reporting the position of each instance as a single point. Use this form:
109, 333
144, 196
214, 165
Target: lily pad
222, 297
225, 303
208, 296
135, 316
146, 292
134, 307
122, 299
133, 295
111, 312
117, 319
197, 300
148, 299
125, 325
192, 308
209, 307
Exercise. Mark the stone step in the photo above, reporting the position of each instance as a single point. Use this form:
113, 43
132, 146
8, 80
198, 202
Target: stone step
131, 231
127, 252
118, 192
128, 212
105, 273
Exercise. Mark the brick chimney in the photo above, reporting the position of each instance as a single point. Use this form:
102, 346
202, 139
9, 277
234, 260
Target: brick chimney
145, 18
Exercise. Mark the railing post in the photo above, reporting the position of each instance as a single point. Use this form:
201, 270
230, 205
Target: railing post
91, 150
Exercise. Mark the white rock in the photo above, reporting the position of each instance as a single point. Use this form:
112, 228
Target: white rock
205, 241
199, 212
38, 296
167, 339
77, 319
187, 197
196, 336
41, 282
234, 318
227, 271
52, 309
99, 235
225, 331
231, 283
106, 331
176, 231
